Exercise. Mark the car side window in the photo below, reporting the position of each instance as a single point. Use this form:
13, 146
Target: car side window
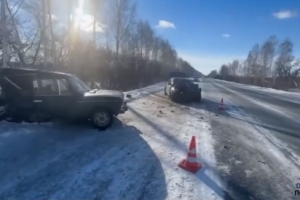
63, 87
45, 86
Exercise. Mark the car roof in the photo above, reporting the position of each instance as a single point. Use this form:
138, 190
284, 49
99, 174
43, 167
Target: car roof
25, 71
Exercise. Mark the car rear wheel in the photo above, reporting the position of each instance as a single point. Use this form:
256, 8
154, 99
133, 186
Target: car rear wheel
102, 119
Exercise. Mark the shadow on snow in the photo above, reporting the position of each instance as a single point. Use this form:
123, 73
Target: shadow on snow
118, 162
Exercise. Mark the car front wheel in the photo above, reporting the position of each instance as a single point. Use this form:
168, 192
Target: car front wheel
102, 119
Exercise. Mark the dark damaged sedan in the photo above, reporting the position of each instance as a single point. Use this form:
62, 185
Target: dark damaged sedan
182, 89
42, 96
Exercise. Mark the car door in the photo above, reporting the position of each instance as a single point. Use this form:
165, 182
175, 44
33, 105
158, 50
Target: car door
66, 96
45, 94
18, 88
50, 96
17, 95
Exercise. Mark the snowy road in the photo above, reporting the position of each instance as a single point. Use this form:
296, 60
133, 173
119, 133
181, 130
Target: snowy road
138, 157
257, 138
277, 111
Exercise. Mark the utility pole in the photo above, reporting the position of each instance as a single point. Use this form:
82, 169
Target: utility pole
4, 34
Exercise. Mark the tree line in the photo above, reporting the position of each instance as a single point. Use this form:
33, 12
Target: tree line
122, 52
270, 64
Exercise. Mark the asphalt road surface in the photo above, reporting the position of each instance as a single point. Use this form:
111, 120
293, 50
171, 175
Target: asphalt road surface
278, 112
257, 136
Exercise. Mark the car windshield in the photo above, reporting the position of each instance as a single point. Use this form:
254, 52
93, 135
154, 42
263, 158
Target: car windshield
183, 81
78, 84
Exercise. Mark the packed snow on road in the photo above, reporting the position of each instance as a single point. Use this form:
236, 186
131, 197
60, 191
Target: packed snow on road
137, 158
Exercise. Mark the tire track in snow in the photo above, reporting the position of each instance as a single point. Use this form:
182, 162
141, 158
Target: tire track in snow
182, 123
263, 141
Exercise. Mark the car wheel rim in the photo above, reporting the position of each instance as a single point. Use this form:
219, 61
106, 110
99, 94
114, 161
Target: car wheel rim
101, 119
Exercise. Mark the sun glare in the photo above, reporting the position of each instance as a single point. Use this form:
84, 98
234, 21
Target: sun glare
79, 13
83, 21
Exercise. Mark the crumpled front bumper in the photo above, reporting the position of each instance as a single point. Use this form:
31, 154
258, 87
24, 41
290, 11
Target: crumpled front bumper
124, 107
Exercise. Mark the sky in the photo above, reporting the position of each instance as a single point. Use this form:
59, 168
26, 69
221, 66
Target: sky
209, 33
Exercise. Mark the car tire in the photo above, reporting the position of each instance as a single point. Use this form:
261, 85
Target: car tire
102, 119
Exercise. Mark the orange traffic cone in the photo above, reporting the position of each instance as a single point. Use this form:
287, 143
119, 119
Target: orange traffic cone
221, 106
191, 164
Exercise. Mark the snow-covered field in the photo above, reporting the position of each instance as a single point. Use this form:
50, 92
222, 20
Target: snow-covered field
292, 92
137, 158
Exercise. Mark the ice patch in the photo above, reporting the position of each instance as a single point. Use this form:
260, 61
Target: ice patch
271, 143
248, 173
238, 162
224, 169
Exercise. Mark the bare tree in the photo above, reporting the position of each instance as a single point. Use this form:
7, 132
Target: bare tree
122, 14
224, 71
52, 36
145, 38
233, 67
261, 68
267, 57
141, 56
287, 66
4, 34
213, 74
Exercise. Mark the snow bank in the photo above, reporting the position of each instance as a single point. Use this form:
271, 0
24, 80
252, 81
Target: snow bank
143, 92
292, 92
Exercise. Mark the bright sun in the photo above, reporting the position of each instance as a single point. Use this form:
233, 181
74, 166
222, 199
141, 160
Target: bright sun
83, 21
79, 14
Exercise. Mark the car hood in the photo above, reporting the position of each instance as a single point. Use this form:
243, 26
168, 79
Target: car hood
105, 93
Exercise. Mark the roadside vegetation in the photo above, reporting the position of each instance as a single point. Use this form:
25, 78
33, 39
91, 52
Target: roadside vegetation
109, 44
271, 64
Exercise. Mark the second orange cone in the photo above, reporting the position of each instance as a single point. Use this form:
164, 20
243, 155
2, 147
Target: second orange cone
221, 106
190, 163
